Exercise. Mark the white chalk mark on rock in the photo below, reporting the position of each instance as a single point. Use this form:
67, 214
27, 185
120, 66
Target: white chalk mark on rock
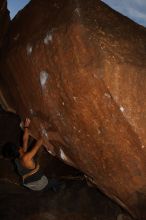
48, 38
99, 131
107, 95
29, 49
44, 132
77, 11
31, 111
63, 156
21, 125
50, 152
122, 109
43, 78
75, 98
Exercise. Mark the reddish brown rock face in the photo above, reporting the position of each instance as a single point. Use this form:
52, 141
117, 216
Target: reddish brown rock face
4, 20
78, 70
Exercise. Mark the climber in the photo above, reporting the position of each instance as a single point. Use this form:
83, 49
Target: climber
32, 177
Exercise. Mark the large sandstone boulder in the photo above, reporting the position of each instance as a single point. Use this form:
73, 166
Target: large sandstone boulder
78, 70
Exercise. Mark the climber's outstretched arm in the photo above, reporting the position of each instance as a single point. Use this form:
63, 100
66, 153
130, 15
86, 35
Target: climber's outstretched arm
35, 149
26, 134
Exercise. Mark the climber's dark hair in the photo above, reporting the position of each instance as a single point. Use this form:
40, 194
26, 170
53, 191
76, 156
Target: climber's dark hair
10, 150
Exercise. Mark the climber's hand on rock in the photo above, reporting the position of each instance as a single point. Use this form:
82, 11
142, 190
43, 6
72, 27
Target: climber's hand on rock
26, 123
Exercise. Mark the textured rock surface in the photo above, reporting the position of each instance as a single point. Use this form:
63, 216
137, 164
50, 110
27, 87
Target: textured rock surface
4, 20
79, 73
